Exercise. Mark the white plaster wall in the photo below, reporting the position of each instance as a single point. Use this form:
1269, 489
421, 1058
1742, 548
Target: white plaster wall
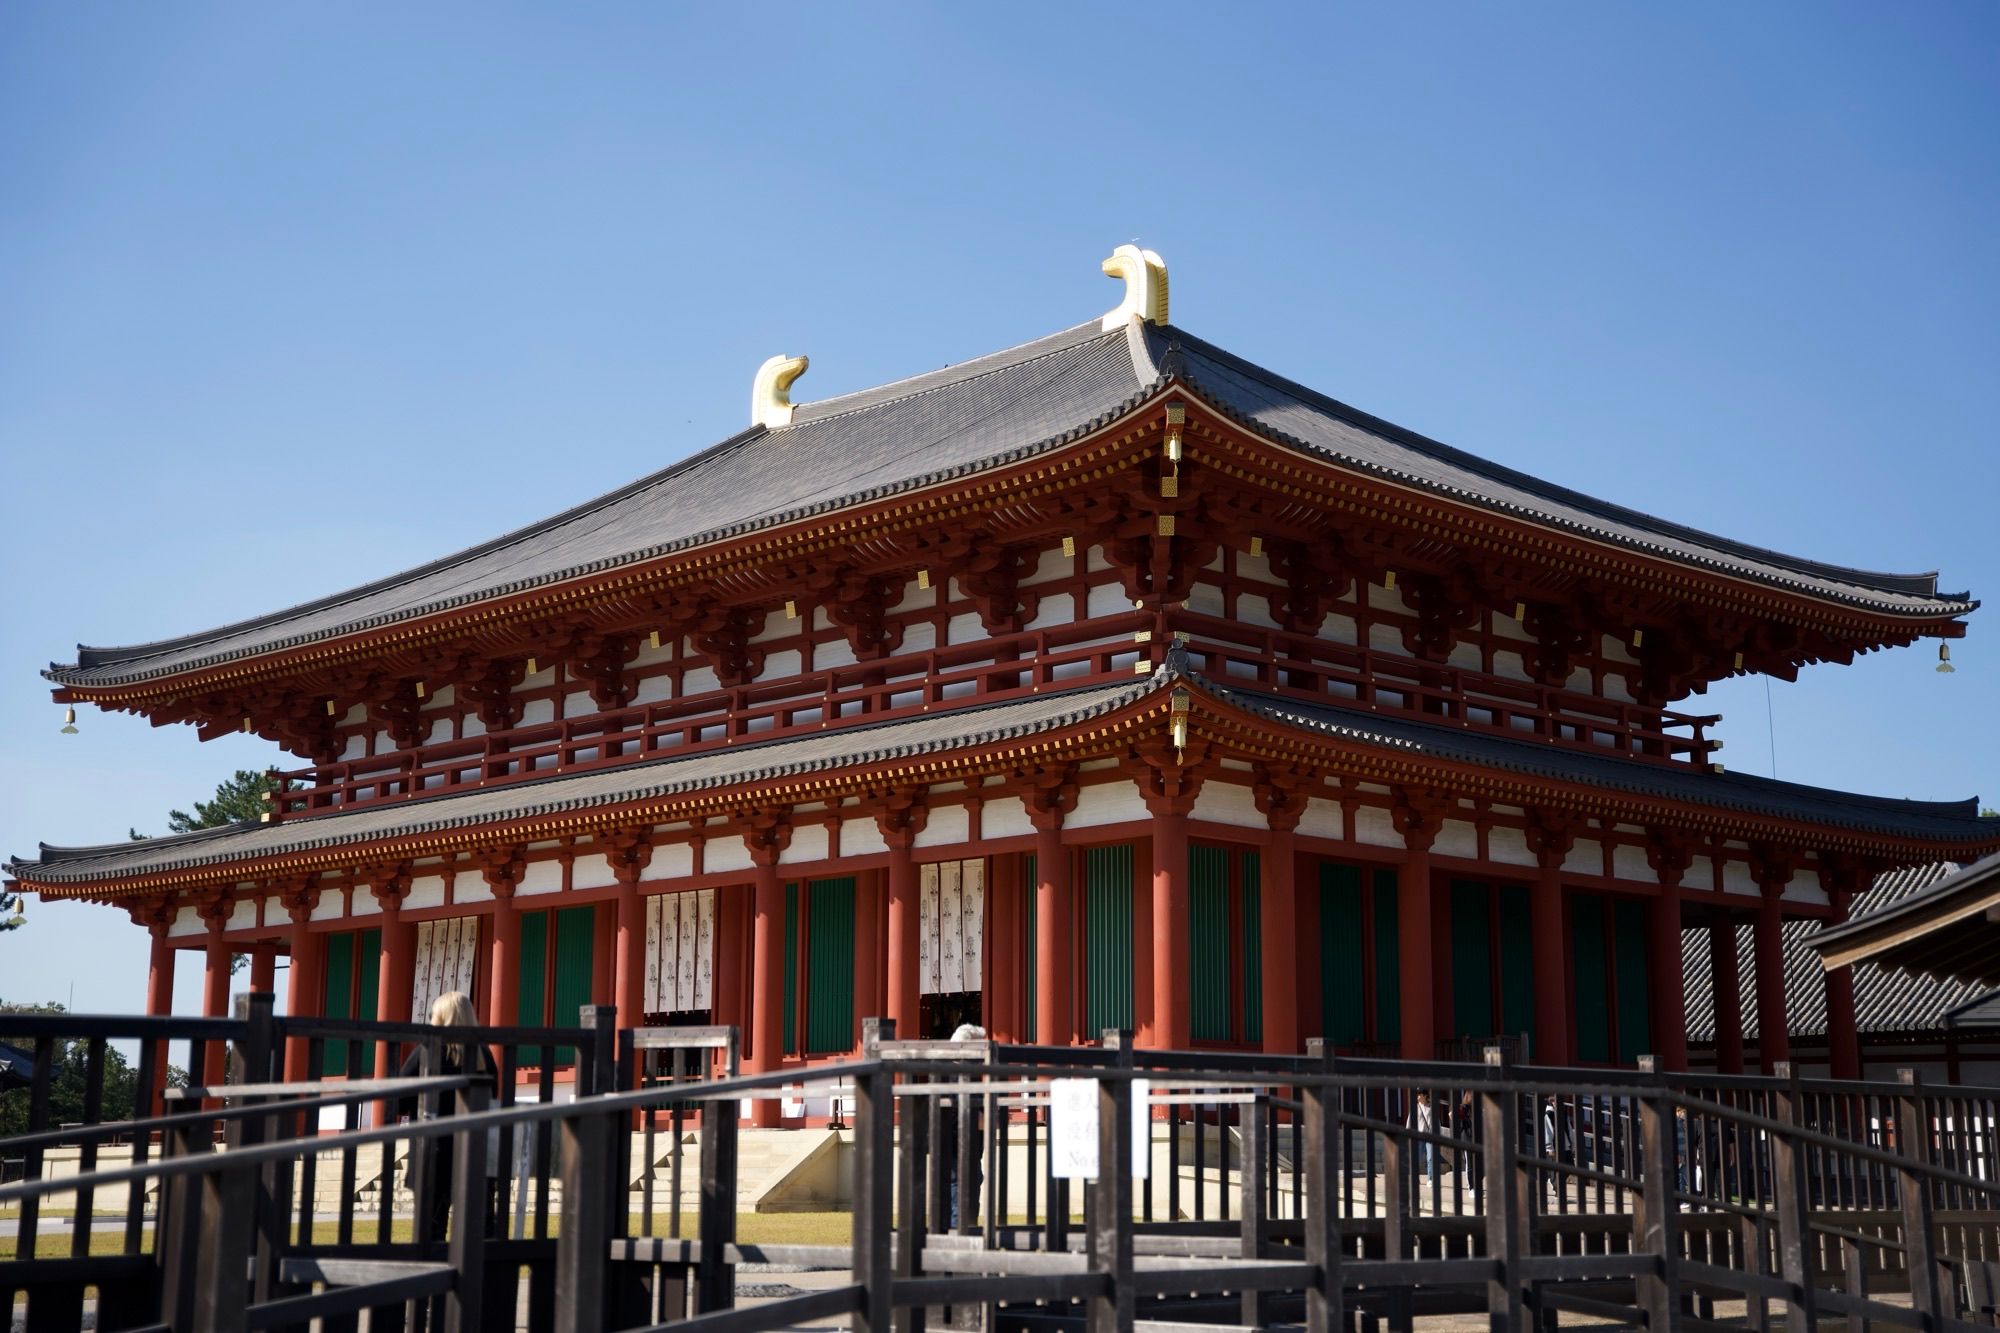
653, 689
909, 597
538, 710
699, 680
1054, 608
1628, 862
861, 837
427, 891
948, 826
1805, 889
540, 877
1466, 657
1093, 559
1227, 803
673, 861
187, 921
1586, 857
965, 627
1107, 803
440, 730
1322, 819
1052, 564
1614, 650
470, 887
1514, 667
1376, 827
578, 703
648, 655
243, 914
365, 904
591, 872
1338, 628
471, 725
331, 906
1257, 569
1205, 599
778, 665
775, 626
1385, 638
1254, 610
832, 653
1457, 838
1700, 873
356, 747
725, 854
809, 843
921, 637
1385, 599
1736, 878
1509, 846
1106, 599
1506, 627
1002, 817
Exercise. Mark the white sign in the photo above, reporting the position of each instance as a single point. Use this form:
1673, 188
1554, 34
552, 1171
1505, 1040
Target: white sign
1073, 1128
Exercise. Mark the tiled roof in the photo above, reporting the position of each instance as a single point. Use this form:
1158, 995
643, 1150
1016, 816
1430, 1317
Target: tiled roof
1946, 821
935, 427
961, 728
1981, 1012
1886, 999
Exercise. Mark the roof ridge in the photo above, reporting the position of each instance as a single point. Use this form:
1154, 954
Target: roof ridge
811, 413
1913, 585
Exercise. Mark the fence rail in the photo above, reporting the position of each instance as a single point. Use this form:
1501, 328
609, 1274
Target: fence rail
1256, 1190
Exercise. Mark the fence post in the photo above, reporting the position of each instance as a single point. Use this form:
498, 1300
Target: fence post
715, 1276
469, 1220
912, 1192
1501, 1129
1253, 1221
1114, 1310
583, 1246
1658, 1222
226, 1210
1788, 1183
874, 1163
1325, 1298
1913, 1191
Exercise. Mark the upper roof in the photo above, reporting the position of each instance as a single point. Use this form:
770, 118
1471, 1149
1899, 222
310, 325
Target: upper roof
929, 429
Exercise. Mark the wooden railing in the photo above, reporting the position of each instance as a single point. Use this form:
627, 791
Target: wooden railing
1302, 1190
1303, 667
994, 670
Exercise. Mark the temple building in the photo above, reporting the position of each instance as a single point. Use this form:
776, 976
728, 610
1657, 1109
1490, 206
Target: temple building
1108, 680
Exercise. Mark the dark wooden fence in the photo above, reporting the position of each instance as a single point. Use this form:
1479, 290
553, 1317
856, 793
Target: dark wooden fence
1329, 1193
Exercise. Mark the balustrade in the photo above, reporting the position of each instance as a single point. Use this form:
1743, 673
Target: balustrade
995, 670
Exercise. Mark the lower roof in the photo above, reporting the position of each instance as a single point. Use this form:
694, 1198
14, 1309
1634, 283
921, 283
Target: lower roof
1951, 929
744, 765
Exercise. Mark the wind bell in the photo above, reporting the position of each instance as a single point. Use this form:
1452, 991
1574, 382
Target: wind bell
69, 721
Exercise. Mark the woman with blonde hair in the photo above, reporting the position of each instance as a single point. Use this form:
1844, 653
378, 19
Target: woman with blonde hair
453, 1009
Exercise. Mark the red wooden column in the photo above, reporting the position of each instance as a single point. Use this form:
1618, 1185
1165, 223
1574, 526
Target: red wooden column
867, 948
1281, 797
303, 992
1670, 854
1418, 818
397, 972
1725, 985
901, 816
1841, 878
1774, 1043
215, 911
629, 852
770, 834
730, 950
157, 916
1051, 796
264, 969
502, 868
1550, 837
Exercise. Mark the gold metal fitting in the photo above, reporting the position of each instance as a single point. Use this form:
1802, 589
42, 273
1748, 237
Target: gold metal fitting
1257, 547
1520, 610
1069, 546
791, 609
653, 640
421, 690
69, 721
923, 578
1166, 525
1389, 580
1739, 662
1638, 638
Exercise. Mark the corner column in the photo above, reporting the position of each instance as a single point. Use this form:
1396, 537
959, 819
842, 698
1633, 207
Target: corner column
1419, 817
215, 910
157, 916
1051, 796
303, 990
1670, 855
1774, 1044
1550, 837
770, 833
1280, 795
1726, 986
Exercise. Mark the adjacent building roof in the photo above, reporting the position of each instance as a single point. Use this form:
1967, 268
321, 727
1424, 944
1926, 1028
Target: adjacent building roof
1982, 1013
1886, 999
935, 427
1950, 930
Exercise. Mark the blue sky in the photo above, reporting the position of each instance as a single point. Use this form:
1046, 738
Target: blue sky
296, 296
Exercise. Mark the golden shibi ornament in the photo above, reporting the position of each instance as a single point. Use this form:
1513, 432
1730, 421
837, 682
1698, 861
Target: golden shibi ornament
1944, 666
69, 721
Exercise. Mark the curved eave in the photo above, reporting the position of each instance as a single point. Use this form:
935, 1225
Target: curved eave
1669, 565
1966, 903
1060, 726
